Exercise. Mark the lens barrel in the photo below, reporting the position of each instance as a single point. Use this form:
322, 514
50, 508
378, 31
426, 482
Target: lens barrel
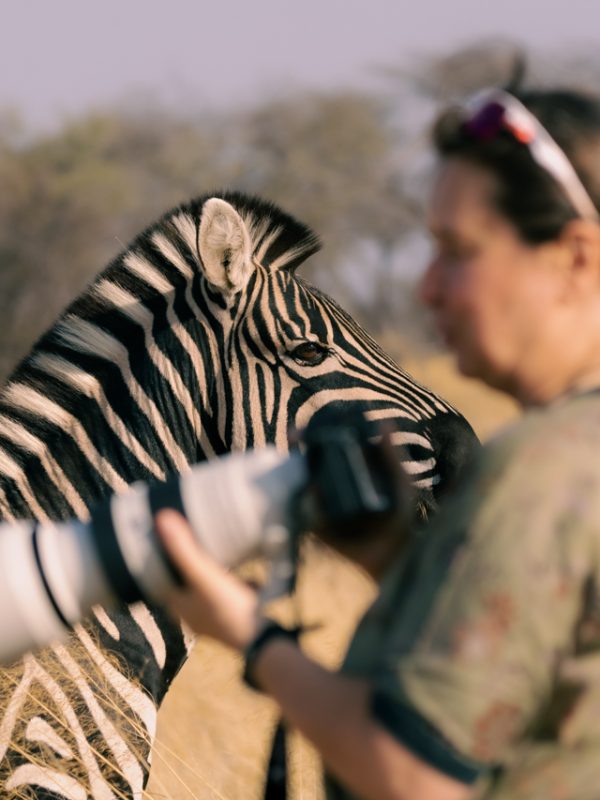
52, 574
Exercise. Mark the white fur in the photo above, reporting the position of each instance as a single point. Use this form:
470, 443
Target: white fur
99, 787
143, 617
38, 730
135, 697
44, 778
25, 397
106, 622
11, 715
10, 467
127, 763
143, 317
18, 434
90, 386
87, 337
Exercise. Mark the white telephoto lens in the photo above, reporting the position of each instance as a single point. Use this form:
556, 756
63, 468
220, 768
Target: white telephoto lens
48, 580
237, 507
52, 574
234, 503
74, 577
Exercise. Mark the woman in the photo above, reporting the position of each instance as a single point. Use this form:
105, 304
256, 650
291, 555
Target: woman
477, 671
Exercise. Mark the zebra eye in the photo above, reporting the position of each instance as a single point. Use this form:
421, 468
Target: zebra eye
309, 353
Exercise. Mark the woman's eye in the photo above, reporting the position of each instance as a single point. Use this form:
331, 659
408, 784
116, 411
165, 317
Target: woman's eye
458, 253
454, 251
309, 353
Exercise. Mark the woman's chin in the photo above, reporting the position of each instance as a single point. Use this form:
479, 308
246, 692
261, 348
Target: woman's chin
467, 364
495, 379
472, 366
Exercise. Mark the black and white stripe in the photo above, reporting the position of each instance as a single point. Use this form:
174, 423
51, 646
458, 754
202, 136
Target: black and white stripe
193, 342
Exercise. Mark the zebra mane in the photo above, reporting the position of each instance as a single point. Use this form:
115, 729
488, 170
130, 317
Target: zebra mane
279, 241
165, 256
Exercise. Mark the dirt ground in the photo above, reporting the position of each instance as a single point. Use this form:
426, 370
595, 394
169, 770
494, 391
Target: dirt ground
214, 734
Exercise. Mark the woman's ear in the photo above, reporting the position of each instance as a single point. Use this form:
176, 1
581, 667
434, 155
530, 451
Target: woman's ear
580, 241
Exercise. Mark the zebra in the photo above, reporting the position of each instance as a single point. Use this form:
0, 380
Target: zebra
198, 339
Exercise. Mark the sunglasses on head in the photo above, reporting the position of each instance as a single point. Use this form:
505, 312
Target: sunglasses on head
492, 112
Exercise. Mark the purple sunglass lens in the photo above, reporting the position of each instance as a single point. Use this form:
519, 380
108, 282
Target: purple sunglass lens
487, 122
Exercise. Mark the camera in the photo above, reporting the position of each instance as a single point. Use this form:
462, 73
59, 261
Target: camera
244, 505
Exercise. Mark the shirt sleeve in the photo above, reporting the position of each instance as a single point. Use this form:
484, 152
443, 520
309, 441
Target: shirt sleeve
481, 667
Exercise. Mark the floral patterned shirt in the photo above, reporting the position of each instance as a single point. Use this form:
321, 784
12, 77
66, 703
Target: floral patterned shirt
483, 647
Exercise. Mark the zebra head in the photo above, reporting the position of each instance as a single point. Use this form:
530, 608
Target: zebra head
200, 338
287, 350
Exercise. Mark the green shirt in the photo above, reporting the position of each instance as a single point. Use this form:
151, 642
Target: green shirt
483, 647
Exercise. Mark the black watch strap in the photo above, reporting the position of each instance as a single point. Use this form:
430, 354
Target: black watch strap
272, 630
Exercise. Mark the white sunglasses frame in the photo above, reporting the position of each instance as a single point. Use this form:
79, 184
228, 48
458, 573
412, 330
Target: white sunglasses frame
544, 150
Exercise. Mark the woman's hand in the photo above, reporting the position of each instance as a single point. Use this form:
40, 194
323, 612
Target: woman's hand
333, 711
214, 602
372, 541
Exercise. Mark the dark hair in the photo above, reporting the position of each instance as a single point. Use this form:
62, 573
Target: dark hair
529, 197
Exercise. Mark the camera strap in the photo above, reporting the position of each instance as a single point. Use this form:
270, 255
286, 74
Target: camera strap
352, 486
276, 782
284, 571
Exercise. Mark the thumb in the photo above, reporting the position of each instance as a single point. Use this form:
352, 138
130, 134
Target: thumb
214, 602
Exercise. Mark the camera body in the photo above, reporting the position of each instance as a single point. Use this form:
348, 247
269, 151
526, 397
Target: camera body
240, 506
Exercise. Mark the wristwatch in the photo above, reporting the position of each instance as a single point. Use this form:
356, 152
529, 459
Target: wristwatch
269, 631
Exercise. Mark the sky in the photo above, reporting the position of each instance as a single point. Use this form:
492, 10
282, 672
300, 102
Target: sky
58, 58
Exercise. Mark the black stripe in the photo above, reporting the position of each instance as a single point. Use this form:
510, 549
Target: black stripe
38, 561
113, 564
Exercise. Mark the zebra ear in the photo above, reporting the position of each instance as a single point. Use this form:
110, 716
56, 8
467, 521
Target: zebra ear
224, 246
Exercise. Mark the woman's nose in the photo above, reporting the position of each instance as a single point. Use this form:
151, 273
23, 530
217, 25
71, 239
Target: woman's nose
429, 285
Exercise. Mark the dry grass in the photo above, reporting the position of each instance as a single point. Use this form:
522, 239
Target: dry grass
214, 734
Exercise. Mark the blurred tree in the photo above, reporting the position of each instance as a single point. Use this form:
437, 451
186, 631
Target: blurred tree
331, 159
493, 62
353, 165
72, 200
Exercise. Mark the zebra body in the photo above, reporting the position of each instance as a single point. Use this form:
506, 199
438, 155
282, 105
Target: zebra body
200, 338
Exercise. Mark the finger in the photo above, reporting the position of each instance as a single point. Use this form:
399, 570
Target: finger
182, 547
214, 603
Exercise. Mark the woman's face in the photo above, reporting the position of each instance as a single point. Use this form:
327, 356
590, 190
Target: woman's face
492, 294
